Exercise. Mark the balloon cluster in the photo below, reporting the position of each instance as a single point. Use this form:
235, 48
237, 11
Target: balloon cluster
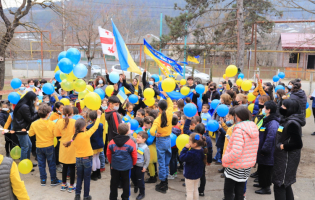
14, 97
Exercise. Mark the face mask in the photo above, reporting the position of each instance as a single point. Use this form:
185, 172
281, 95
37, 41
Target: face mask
276, 96
76, 92
263, 112
22, 88
290, 87
231, 121
283, 111
261, 106
5, 109
59, 112
253, 87
236, 103
31, 86
211, 89
104, 107
46, 101
53, 82
116, 107
37, 103
38, 85
151, 82
220, 85
100, 81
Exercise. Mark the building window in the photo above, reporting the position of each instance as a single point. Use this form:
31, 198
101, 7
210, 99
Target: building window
293, 58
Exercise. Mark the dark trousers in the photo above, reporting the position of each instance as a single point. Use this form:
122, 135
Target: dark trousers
173, 162
137, 177
8, 143
105, 146
116, 176
33, 140
84, 169
264, 175
57, 151
68, 169
233, 190
283, 193
313, 113
202, 181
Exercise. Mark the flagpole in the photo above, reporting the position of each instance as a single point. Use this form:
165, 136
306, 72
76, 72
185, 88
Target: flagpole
105, 63
161, 26
185, 48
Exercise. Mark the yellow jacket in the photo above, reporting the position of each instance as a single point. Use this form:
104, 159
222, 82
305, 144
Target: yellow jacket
259, 90
44, 131
66, 154
166, 131
8, 122
229, 133
105, 126
17, 184
55, 116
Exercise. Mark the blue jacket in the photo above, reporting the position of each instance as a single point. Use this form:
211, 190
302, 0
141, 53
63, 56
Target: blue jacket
97, 137
194, 165
4, 115
186, 127
205, 118
176, 131
267, 138
313, 104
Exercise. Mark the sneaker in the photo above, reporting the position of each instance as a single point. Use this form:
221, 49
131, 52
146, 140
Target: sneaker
43, 182
55, 182
162, 187
201, 194
88, 198
77, 197
175, 174
71, 189
64, 187
170, 177
313, 133
152, 179
140, 196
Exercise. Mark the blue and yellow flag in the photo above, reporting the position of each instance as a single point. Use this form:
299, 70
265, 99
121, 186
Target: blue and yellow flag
125, 59
192, 59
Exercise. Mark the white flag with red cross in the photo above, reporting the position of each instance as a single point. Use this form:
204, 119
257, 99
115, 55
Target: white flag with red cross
108, 42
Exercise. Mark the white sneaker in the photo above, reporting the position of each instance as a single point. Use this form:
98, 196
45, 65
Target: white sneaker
170, 177
175, 175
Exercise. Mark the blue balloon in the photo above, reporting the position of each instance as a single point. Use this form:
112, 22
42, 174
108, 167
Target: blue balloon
241, 76
114, 77
14, 97
281, 75
173, 139
76, 117
80, 70
307, 105
48, 88
150, 140
62, 55
16, 83
200, 89
156, 77
134, 124
222, 110
126, 119
190, 110
133, 98
100, 92
213, 125
74, 55
65, 65
276, 78
279, 87
40, 97
57, 76
215, 103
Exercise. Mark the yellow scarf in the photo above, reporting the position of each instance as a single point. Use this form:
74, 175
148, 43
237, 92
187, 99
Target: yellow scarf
136, 92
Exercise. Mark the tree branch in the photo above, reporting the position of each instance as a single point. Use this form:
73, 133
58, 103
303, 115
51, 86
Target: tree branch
5, 19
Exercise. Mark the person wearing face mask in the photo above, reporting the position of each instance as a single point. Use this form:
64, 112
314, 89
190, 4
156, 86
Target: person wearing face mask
136, 89
4, 115
57, 111
150, 84
21, 90
288, 149
112, 117
220, 87
100, 83
241, 99
192, 87
267, 136
279, 98
299, 95
211, 94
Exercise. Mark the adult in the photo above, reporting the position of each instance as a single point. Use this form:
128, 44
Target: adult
267, 135
192, 88
299, 95
150, 84
100, 82
211, 94
288, 149
23, 116
313, 107
240, 155
135, 89
279, 98
241, 99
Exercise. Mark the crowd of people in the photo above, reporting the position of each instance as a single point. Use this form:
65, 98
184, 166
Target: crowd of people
269, 137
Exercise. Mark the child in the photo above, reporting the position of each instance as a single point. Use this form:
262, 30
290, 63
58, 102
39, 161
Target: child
74, 95
143, 159
173, 163
205, 116
147, 111
140, 121
65, 130
129, 108
57, 114
21, 90
140, 113
197, 118
83, 154
122, 154
97, 146
112, 117
189, 126
46, 100
44, 131
180, 104
4, 115
175, 108
195, 161
104, 105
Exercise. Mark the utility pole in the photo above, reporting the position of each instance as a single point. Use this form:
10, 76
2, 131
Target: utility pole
240, 35
63, 26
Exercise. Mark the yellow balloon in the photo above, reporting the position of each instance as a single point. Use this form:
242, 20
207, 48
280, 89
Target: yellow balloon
55, 141
109, 90
239, 82
65, 101
71, 77
135, 135
181, 141
82, 105
160, 78
148, 93
168, 85
90, 88
79, 85
182, 82
308, 113
231, 70
67, 85
251, 107
25, 166
149, 102
185, 90
224, 76
93, 101
15, 153
63, 76
246, 85
251, 97
83, 94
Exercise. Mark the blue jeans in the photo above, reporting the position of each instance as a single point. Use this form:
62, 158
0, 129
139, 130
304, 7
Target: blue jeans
43, 154
84, 169
164, 153
102, 159
26, 146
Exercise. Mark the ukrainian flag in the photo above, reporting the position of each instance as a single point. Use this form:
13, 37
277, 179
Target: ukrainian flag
125, 59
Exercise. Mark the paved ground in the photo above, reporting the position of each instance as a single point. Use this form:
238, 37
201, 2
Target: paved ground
304, 188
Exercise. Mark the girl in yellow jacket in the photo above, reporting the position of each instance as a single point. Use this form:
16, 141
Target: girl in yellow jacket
65, 130
57, 114
162, 129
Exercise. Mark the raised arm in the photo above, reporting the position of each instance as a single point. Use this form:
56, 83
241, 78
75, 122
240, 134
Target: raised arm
95, 126
144, 80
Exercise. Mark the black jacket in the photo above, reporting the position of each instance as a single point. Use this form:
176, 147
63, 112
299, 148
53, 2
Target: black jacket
23, 118
113, 119
207, 96
300, 96
286, 161
195, 96
3, 117
147, 85
131, 88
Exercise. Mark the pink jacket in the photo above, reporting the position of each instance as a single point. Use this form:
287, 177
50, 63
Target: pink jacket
241, 152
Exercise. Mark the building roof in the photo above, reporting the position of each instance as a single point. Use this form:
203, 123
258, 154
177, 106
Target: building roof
297, 40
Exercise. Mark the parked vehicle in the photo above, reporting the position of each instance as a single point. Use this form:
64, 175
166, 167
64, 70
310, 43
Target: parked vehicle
198, 76
96, 70
116, 68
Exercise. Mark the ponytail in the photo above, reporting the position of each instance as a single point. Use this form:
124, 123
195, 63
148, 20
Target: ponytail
205, 150
163, 106
79, 125
201, 142
67, 110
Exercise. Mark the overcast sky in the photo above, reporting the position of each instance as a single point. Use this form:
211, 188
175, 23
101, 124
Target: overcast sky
16, 3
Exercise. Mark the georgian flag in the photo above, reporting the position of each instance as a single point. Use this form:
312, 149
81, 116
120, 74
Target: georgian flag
108, 42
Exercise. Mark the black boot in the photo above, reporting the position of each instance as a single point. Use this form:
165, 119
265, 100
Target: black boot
98, 172
162, 187
257, 185
265, 190
152, 179
221, 170
140, 196
256, 180
94, 176
254, 175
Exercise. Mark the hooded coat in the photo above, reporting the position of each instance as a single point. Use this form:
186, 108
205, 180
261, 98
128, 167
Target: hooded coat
113, 119
147, 85
286, 161
300, 96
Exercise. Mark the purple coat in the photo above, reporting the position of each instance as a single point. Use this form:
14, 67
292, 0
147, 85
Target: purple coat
267, 139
